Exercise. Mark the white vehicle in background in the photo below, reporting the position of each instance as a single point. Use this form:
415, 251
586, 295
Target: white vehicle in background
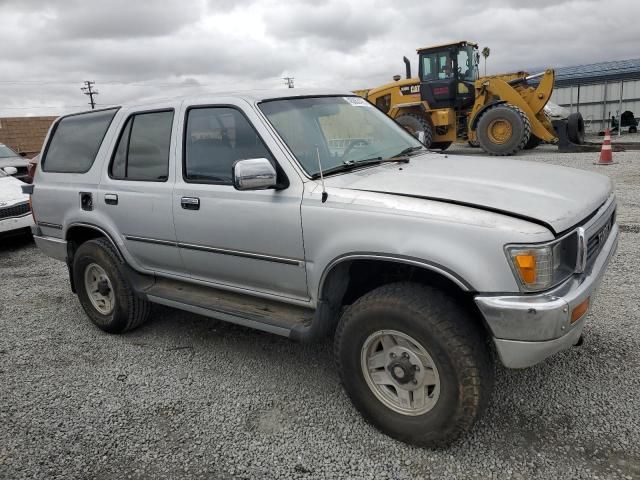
15, 211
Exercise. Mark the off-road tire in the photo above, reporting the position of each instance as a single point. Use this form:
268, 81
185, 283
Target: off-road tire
454, 340
417, 126
520, 125
532, 143
130, 310
575, 128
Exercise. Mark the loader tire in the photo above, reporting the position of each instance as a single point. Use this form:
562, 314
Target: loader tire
532, 143
417, 126
442, 146
575, 128
503, 130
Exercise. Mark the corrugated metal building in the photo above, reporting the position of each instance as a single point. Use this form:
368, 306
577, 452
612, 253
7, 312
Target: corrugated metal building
599, 90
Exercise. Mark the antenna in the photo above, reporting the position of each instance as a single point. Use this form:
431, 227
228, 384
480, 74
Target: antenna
324, 192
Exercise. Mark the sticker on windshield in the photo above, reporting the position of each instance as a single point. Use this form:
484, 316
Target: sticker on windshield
357, 101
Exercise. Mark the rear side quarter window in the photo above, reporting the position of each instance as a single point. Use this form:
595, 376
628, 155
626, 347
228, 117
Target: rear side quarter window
75, 141
142, 152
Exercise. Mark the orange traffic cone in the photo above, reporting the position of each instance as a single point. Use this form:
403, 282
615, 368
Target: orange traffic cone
606, 157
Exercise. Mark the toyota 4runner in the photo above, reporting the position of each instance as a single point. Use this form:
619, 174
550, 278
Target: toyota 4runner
314, 214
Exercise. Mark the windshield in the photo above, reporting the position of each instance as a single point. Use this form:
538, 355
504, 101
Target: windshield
339, 130
466, 64
7, 152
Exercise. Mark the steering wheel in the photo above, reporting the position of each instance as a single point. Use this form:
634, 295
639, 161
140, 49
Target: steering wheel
353, 143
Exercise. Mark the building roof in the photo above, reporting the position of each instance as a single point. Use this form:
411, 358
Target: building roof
613, 71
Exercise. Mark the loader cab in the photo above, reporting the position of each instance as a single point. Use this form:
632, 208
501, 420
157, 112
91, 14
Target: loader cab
447, 75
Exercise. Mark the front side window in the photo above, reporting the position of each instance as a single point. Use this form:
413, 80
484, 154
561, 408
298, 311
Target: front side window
75, 142
437, 66
335, 131
215, 138
466, 64
142, 152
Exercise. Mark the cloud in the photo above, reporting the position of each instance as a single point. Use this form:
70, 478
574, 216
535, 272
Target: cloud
137, 49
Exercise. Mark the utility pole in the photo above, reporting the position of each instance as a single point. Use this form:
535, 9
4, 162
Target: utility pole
87, 90
288, 81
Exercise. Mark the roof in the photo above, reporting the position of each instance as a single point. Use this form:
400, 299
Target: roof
251, 96
442, 45
596, 72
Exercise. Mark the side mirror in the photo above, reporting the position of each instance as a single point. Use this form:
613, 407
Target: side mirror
254, 174
10, 170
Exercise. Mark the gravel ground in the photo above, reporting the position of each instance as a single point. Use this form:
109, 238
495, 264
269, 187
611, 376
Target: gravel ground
189, 397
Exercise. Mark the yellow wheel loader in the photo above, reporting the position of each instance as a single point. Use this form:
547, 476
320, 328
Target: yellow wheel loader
449, 102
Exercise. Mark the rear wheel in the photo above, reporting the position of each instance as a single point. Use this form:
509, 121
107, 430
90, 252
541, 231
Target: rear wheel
503, 130
532, 143
417, 126
414, 363
440, 145
103, 290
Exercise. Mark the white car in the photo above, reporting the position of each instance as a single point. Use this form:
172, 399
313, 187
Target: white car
15, 211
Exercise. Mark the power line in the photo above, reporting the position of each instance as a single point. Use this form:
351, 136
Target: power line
88, 91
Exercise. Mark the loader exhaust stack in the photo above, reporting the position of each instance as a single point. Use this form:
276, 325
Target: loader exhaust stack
407, 66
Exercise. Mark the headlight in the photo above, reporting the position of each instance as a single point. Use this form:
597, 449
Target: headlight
539, 267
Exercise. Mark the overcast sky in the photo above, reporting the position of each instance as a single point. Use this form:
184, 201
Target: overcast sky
135, 49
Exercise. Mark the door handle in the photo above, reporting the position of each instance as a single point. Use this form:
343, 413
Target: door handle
111, 199
190, 203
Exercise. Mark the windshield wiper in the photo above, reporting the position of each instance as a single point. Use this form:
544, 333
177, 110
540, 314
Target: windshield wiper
408, 150
351, 164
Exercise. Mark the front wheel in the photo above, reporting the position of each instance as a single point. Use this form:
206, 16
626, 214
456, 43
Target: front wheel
503, 129
414, 363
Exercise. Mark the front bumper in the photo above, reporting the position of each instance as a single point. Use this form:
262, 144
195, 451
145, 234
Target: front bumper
16, 223
529, 328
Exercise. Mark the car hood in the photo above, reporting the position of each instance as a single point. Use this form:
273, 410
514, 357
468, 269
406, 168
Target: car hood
11, 191
557, 197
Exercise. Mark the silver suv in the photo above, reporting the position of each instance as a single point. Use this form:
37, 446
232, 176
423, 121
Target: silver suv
314, 214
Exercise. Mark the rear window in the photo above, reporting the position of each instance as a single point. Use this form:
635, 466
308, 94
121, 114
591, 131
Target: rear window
75, 142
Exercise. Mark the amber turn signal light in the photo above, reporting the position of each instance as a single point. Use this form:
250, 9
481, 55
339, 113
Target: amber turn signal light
579, 310
527, 267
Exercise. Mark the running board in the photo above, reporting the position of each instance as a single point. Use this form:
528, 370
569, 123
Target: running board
253, 312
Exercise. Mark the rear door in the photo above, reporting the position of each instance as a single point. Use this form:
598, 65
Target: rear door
136, 188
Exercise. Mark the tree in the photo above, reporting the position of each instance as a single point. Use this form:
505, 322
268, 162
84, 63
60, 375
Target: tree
485, 53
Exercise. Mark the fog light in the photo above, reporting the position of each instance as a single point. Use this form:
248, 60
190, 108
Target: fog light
579, 311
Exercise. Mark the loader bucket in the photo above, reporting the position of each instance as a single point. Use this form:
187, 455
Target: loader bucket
566, 145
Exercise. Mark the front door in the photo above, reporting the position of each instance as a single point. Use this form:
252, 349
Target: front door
251, 240
438, 79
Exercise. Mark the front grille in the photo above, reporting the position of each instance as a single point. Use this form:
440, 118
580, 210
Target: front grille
14, 210
597, 240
